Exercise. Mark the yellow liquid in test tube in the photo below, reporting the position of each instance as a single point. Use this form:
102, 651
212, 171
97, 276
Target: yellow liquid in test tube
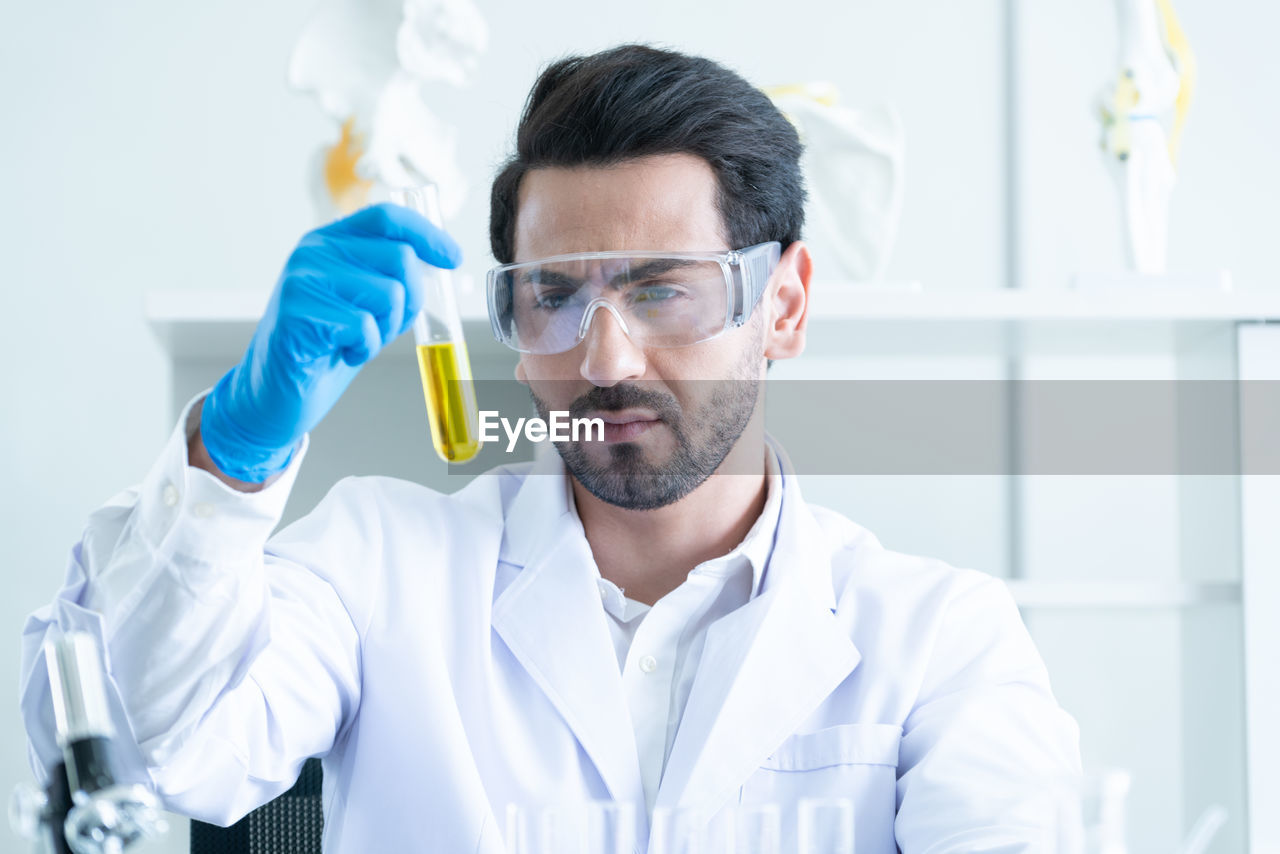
442, 352
450, 407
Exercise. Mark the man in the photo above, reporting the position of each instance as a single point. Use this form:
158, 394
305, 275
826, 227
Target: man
656, 618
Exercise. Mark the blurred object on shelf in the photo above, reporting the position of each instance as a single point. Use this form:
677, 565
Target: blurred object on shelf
853, 168
368, 63
1143, 114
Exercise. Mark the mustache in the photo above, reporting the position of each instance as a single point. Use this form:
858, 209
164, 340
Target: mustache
626, 396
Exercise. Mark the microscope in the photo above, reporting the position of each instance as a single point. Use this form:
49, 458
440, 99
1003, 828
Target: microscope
84, 809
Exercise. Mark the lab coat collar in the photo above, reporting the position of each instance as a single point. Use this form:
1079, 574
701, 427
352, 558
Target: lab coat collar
798, 535
551, 619
765, 668
538, 510
758, 544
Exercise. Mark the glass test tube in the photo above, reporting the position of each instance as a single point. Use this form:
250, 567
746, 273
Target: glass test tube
736, 829
825, 826
593, 827
442, 351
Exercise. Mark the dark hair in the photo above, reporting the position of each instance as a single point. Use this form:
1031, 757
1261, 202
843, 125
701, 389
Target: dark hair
635, 100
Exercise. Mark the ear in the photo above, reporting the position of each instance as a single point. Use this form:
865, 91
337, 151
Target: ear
788, 303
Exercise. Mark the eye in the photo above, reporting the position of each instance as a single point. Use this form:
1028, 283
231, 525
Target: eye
655, 293
552, 300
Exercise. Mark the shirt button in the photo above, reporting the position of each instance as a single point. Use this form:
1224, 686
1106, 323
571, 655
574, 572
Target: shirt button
170, 494
203, 509
648, 664
604, 592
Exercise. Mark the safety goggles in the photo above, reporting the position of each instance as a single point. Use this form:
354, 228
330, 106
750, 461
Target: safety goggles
660, 299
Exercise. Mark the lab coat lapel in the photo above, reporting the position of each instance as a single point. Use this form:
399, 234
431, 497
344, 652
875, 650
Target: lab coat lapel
551, 618
765, 668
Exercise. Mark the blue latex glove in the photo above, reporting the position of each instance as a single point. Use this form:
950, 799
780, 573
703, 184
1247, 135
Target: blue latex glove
346, 292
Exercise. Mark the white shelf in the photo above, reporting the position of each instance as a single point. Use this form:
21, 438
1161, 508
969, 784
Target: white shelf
1120, 594
889, 302
885, 321
848, 319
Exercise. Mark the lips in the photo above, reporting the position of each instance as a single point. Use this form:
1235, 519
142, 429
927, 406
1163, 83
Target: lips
629, 416
626, 425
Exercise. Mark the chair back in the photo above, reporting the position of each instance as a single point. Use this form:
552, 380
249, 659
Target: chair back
291, 824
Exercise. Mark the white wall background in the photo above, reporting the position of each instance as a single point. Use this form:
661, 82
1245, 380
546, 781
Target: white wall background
150, 144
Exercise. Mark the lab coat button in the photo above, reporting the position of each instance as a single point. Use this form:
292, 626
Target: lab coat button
648, 664
203, 509
170, 495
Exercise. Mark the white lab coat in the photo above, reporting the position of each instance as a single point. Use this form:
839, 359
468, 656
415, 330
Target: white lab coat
448, 655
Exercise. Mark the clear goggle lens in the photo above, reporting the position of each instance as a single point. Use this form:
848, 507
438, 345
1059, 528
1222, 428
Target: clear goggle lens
546, 307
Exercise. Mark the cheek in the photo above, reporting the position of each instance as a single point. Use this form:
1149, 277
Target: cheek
542, 370
553, 380
732, 356
701, 392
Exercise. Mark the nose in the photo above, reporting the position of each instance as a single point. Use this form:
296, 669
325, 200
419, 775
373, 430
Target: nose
610, 356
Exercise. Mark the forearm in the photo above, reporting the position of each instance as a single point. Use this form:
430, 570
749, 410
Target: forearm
229, 661
198, 457
169, 576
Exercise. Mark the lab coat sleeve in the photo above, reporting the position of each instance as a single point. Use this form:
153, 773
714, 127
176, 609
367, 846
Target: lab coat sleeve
228, 663
988, 760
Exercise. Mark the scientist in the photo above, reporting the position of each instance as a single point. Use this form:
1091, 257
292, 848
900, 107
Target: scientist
657, 618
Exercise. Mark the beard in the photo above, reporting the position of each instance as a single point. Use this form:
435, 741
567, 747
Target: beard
703, 438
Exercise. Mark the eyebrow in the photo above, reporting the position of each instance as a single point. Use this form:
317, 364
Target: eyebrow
652, 267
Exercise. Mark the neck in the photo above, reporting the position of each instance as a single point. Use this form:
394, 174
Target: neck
649, 553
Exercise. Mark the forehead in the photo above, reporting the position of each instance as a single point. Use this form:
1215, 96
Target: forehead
660, 202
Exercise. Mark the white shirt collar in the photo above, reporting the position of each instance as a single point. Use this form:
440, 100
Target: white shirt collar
753, 551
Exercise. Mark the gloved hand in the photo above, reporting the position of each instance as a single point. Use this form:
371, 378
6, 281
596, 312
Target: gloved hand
346, 292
